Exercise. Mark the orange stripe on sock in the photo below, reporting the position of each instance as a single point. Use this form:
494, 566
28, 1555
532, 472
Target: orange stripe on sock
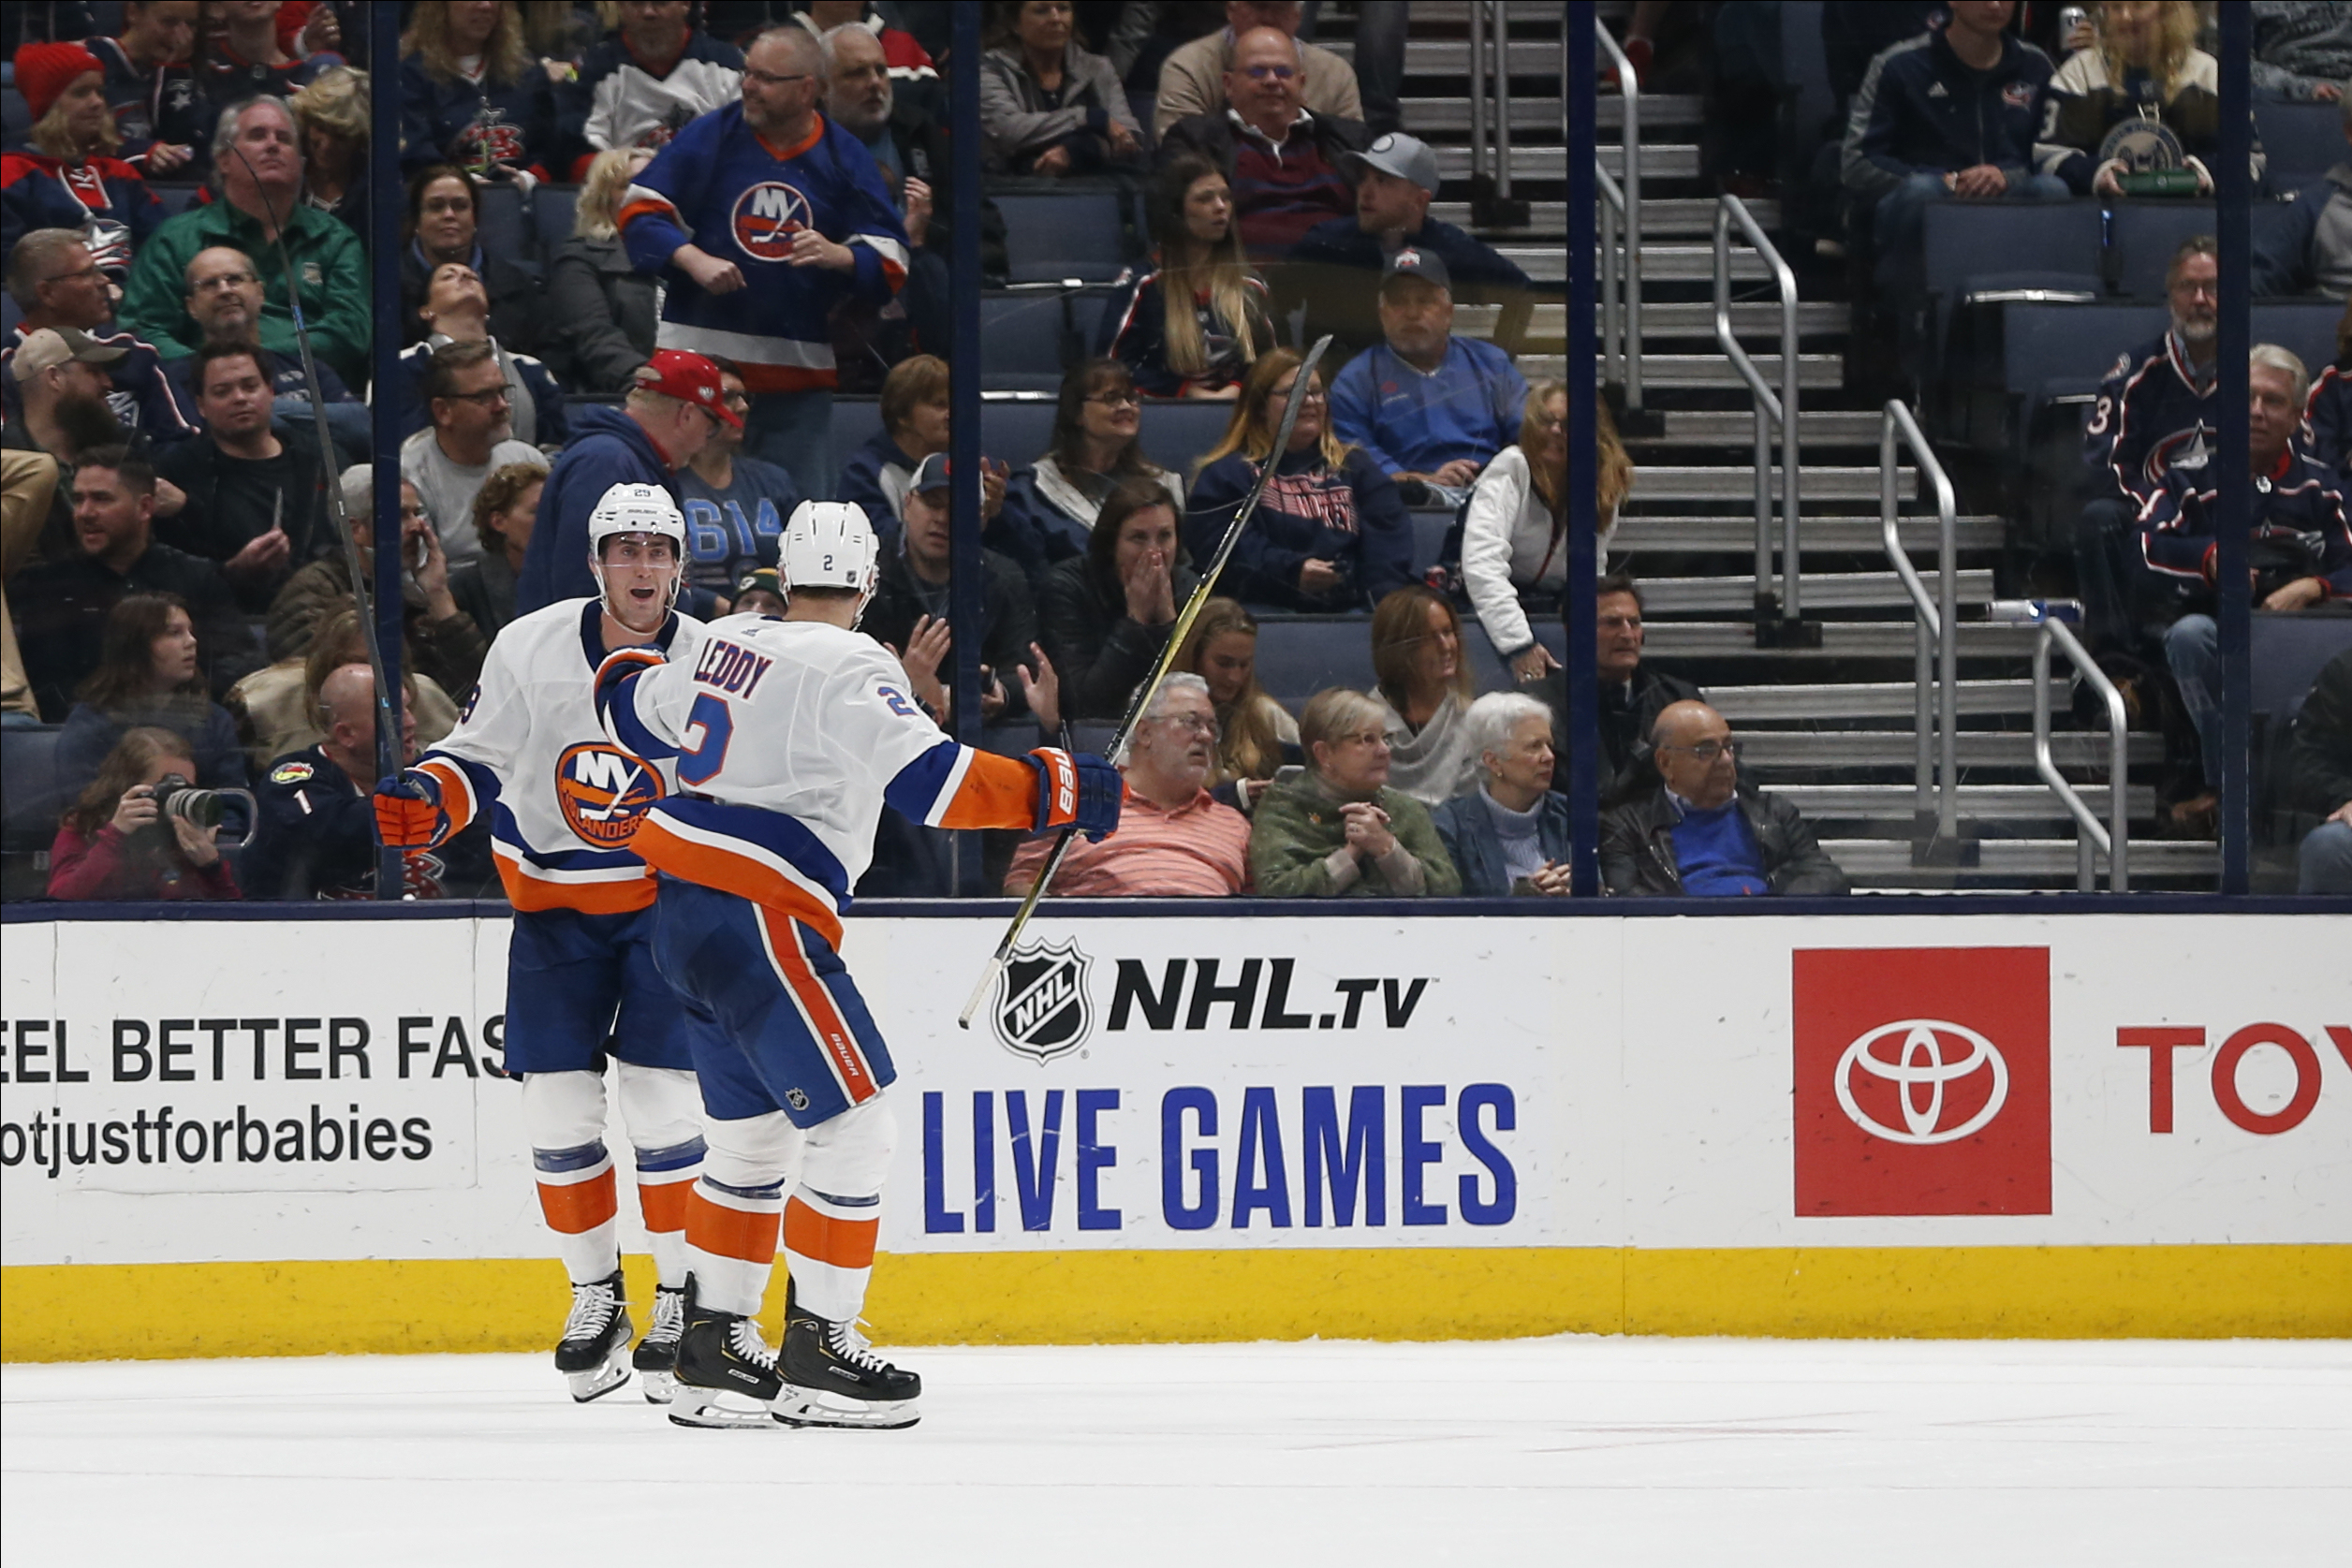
737, 1233
843, 1243
580, 1206
664, 1203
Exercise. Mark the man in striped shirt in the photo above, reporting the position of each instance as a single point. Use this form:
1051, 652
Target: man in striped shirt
1174, 840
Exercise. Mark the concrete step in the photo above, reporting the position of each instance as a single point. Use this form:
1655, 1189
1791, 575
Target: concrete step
1829, 590
1543, 218
1531, 55
1662, 216
1658, 482
1819, 373
1870, 699
1894, 748
1537, 162
1531, 115
1753, 320
1845, 640
1893, 805
1829, 535
1888, 862
1816, 427
1682, 262
1663, 160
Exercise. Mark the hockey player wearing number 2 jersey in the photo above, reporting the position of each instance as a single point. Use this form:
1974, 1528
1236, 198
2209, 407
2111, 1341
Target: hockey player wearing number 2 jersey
530, 755
789, 736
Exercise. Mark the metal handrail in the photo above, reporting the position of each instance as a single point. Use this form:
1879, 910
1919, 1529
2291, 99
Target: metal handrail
2113, 840
1629, 84
1498, 42
1612, 319
1938, 622
1769, 410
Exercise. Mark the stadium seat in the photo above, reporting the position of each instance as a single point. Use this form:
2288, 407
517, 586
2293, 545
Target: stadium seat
2307, 328
16, 117
1027, 340
553, 208
1018, 433
1430, 526
1053, 235
2301, 142
30, 802
10, 314
504, 230
1964, 241
1176, 432
2141, 236
2287, 653
176, 199
1298, 655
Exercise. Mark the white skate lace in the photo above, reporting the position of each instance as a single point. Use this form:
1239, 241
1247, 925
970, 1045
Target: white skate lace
849, 1344
744, 1341
670, 1316
592, 1306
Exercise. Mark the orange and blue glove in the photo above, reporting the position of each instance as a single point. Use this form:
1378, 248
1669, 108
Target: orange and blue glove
1076, 790
409, 813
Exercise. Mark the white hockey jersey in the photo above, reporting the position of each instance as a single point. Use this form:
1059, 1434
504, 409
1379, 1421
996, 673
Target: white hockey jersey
789, 737
529, 752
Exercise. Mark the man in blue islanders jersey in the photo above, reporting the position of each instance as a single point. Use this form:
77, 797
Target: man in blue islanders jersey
789, 735
760, 218
530, 754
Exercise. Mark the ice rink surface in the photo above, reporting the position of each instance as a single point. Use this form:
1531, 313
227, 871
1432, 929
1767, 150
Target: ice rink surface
1573, 1450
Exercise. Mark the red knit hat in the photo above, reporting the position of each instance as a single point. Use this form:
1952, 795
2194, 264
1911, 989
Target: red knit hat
43, 71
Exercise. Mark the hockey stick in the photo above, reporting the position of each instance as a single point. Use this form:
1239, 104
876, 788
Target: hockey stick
1141, 700
386, 714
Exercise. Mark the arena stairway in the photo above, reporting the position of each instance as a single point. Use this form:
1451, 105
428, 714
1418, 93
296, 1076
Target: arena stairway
1829, 726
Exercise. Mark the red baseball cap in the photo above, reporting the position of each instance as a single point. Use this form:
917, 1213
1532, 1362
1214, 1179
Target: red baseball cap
689, 378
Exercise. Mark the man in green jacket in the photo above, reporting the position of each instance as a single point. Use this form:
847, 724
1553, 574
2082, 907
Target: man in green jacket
257, 169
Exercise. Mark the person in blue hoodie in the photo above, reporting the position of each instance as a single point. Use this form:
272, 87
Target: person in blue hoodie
668, 416
1949, 115
1425, 404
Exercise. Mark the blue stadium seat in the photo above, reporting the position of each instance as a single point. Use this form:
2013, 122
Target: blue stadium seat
2287, 653
1176, 432
1805, 67
504, 230
176, 199
2048, 347
1073, 234
2303, 142
2305, 327
855, 420
9, 314
1024, 339
2141, 236
16, 116
1017, 433
1430, 526
552, 212
1962, 242
1298, 655
30, 802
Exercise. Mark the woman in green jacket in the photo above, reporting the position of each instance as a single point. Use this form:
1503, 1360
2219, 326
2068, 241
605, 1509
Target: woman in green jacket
1338, 829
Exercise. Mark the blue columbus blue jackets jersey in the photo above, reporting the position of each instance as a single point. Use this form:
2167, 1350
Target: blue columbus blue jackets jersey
728, 190
2153, 415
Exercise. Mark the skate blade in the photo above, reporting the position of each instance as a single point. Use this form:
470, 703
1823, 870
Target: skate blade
597, 1382
806, 1407
659, 1388
690, 1406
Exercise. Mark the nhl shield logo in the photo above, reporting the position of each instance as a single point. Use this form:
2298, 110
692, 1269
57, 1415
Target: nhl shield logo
1043, 1006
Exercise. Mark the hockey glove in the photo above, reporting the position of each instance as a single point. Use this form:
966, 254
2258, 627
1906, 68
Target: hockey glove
408, 813
1080, 791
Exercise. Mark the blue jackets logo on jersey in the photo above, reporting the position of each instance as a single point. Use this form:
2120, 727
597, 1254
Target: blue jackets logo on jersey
603, 791
1043, 1006
766, 217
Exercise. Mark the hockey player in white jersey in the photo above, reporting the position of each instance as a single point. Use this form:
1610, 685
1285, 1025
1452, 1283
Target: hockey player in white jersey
789, 735
530, 754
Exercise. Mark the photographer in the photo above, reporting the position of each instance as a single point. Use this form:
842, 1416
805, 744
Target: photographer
114, 842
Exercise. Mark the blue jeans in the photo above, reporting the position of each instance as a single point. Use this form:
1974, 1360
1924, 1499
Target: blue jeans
795, 432
1902, 212
2324, 863
2193, 648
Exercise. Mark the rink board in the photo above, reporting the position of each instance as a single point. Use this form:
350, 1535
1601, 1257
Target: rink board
294, 1136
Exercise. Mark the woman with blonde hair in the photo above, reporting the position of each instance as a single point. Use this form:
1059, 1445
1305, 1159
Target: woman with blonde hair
1256, 735
331, 114
470, 93
610, 306
1424, 691
1330, 533
1340, 830
1192, 325
2142, 99
66, 175
1514, 530
113, 842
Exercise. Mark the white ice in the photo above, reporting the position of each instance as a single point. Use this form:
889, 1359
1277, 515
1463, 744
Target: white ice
1572, 1450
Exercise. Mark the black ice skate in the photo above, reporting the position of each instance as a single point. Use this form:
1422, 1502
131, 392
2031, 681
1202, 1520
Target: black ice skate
594, 1354
831, 1379
656, 1356
721, 1356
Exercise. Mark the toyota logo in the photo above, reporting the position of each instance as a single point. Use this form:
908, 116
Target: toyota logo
1932, 1054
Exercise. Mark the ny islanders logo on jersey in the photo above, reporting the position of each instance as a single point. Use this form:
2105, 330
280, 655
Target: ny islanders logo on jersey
765, 219
603, 791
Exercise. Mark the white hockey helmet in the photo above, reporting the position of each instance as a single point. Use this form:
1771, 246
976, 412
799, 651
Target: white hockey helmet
830, 544
637, 508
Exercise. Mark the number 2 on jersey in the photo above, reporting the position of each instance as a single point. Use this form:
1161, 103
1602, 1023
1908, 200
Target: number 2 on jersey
717, 720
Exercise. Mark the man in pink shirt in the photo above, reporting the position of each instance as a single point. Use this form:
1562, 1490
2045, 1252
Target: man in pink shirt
1173, 840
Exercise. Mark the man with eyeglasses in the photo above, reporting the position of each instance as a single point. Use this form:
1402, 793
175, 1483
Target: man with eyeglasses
57, 282
224, 299
1192, 78
1285, 163
466, 395
1174, 840
761, 219
1704, 831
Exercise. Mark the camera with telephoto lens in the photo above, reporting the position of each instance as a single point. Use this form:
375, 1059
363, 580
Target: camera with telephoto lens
177, 799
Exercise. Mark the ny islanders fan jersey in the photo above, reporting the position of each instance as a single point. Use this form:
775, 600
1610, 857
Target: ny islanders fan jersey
561, 799
735, 195
789, 738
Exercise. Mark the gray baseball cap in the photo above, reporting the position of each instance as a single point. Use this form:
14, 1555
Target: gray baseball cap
53, 346
1407, 158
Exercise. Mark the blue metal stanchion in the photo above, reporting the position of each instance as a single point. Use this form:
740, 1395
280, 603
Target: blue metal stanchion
2233, 190
384, 214
964, 397
1583, 673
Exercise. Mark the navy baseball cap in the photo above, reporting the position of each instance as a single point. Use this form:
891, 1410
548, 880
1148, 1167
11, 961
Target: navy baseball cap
1415, 262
